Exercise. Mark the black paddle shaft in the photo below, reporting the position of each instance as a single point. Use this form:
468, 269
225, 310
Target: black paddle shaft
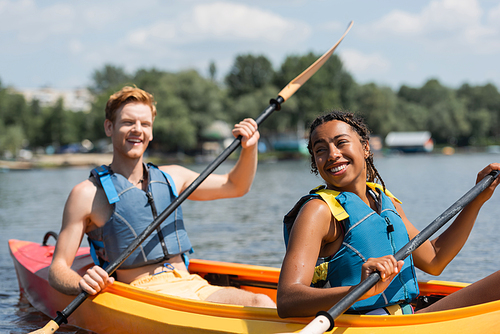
274, 104
407, 249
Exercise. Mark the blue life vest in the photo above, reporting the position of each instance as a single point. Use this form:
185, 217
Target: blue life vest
366, 234
133, 211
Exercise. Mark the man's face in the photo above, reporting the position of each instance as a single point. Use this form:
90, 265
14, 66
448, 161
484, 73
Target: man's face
132, 129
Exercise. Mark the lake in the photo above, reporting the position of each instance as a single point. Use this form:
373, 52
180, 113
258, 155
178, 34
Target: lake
248, 229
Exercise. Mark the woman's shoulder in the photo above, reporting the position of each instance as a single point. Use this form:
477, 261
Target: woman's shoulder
316, 213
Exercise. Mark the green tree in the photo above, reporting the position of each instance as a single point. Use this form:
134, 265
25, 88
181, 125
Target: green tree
479, 97
33, 127
432, 92
252, 104
15, 110
2, 139
94, 120
12, 139
330, 88
480, 121
448, 120
429, 94
249, 73
378, 107
173, 128
58, 126
447, 115
14, 119
212, 70
110, 77
186, 103
409, 94
148, 80
483, 108
410, 116
202, 97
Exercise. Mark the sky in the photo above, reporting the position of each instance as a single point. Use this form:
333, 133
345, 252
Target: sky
60, 44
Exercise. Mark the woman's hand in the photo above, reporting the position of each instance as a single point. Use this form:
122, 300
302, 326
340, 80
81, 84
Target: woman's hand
388, 268
488, 192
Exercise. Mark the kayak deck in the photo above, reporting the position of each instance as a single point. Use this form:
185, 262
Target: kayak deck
122, 308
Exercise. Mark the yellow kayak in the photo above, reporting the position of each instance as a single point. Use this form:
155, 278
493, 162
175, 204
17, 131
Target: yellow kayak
125, 309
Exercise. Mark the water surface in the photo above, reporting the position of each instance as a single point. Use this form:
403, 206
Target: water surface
248, 229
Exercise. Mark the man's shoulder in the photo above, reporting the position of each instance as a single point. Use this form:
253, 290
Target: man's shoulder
87, 203
178, 173
181, 176
86, 189
171, 169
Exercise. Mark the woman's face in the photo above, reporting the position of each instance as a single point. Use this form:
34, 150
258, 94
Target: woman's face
339, 155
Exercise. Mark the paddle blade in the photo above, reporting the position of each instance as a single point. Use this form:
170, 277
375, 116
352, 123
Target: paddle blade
49, 328
295, 84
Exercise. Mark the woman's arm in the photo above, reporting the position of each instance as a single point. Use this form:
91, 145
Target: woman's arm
433, 256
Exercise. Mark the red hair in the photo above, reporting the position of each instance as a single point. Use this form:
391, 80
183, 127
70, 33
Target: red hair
129, 95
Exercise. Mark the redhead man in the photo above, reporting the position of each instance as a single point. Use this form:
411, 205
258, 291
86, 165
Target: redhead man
117, 202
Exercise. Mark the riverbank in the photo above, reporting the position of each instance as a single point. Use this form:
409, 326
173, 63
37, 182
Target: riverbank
58, 160
98, 159
94, 159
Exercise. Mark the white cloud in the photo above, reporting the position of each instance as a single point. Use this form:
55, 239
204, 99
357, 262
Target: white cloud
437, 16
451, 14
36, 22
75, 46
33, 24
331, 26
396, 23
222, 21
159, 31
493, 17
361, 64
441, 26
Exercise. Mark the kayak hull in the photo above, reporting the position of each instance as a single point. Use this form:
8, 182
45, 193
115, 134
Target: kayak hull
122, 308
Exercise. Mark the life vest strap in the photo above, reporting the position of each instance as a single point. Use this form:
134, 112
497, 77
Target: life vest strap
104, 175
93, 253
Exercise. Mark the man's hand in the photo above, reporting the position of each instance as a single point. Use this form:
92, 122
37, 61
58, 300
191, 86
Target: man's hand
247, 128
95, 280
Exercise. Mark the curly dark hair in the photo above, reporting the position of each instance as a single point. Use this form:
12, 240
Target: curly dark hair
358, 125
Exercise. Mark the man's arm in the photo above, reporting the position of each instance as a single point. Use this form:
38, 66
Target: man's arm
76, 216
234, 184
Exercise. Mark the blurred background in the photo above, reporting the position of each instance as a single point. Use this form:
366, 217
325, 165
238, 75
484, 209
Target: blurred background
421, 67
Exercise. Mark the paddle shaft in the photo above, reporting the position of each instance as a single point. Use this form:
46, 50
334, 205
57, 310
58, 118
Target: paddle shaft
404, 252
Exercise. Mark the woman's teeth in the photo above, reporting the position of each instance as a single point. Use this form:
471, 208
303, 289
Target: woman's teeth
338, 168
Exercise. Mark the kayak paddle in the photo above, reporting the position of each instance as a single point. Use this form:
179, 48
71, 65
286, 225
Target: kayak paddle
324, 321
275, 104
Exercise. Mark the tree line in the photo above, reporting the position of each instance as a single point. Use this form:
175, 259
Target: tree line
188, 103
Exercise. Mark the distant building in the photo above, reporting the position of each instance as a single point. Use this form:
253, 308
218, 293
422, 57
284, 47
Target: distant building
78, 99
409, 142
